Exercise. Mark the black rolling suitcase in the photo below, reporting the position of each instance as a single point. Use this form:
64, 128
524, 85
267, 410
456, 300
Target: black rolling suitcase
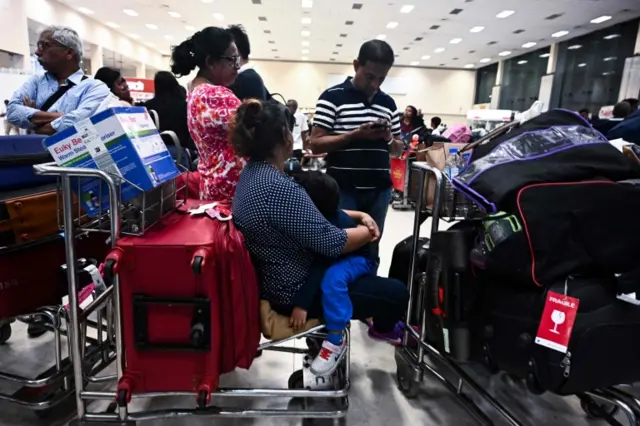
602, 349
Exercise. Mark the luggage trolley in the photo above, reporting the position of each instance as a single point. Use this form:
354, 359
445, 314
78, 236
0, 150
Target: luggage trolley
134, 218
414, 363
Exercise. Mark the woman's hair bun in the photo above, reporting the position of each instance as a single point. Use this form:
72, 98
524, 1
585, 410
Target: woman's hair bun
183, 57
251, 113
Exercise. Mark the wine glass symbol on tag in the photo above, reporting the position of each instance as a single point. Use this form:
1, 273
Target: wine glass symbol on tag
558, 317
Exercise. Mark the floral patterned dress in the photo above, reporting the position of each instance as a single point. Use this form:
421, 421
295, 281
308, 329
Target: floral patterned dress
209, 111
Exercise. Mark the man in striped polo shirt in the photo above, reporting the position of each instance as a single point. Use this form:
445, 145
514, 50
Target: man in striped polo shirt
357, 124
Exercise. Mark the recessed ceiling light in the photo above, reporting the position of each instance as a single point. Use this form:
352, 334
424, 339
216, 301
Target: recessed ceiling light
415, 63
522, 62
304, 58
425, 57
112, 25
392, 25
505, 53
610, 58
560, 34
85, 10
611, 36
476, 29
455, 41
607, 73
130, 12
207, 1
134, 36
305, 51
305, 33
381, 36
469, 66
168, 37
218, 16
407, 8
305, 21
505, 14
529, 44
305, 43
151, 26
190, 28
582, 65
439, 49
174, 14
545, 55
574, 47
307, 4
485, 60
600, 20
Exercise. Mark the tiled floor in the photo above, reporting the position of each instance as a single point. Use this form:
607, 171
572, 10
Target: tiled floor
375, 399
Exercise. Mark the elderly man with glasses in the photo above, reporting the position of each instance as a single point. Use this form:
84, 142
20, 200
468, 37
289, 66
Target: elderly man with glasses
63, 95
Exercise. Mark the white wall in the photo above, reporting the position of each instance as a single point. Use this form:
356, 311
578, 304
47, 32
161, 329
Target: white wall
15, 33
447, 93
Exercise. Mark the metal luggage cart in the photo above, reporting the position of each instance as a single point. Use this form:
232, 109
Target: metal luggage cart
414, 363
133, 218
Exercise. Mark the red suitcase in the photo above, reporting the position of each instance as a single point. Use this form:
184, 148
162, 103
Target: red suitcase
190, 305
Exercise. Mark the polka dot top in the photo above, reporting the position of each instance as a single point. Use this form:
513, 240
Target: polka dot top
283, 230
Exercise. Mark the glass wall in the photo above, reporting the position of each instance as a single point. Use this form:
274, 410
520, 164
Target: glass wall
521, 80
589, 68
485, 80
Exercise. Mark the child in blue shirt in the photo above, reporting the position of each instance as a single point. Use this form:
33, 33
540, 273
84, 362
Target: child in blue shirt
332, 277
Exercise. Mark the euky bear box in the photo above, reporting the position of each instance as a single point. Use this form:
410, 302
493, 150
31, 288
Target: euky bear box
121, 141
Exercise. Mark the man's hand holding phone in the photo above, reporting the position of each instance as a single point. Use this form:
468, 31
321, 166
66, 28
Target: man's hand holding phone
380, 129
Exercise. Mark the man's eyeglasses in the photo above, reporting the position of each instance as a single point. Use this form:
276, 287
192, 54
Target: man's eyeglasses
46, 44
235, 60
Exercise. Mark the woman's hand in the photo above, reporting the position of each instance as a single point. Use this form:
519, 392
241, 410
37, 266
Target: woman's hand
298, 318
371, 224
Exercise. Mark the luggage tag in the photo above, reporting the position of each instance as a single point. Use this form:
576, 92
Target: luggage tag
214, 211
558, 319
202, 209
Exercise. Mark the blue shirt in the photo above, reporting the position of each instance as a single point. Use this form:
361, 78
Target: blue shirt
360, 164
80, 102
283, 230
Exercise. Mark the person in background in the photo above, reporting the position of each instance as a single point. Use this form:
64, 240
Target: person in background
248, 84
121, 96
170, 102
63, 95
435, 124
300, 130
211, 106
8, 127
620, 111
585, 113
411, 120
357, 124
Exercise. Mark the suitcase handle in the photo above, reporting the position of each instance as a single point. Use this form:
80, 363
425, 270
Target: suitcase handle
199, 260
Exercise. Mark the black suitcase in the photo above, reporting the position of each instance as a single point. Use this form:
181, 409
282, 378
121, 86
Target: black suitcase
401, 259
603, 349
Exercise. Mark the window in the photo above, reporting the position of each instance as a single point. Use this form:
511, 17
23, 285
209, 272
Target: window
485, 80
521, 80
590, 67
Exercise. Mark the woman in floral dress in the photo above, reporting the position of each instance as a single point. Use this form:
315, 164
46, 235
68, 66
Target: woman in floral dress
210, 107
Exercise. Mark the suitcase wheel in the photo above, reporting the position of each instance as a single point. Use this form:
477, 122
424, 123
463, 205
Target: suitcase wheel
197, 264
5, 333
203, 397
296, 380
122, 398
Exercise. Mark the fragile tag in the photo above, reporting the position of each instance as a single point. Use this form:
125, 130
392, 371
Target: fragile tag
556, 324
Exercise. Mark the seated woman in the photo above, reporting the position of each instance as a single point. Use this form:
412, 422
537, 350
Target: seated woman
120, 94
210, 106
285, 233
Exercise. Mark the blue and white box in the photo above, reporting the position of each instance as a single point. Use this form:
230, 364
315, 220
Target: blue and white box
121, 141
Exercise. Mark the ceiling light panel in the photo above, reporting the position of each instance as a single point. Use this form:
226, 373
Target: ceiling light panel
600, 19
174, 14
455, 41
305, 51
381, 36
522, 62
112, 25
505, 53
505, 14
559, 34
469, 66
307, 4
305, 33
476, 29
407, 8
426, 57
151, 26
485, 60
305, 21
190, 28
130, 12
529, 44
415, 63
574, 47
392, 25
439, 49
218, 16
85, 10
611, 36
545, 55
305, 43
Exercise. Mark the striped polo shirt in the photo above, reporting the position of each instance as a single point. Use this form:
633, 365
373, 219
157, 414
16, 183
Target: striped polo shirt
360, 164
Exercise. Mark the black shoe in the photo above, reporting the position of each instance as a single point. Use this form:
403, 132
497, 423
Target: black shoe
37, 328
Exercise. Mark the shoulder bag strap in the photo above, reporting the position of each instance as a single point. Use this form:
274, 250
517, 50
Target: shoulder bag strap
58, 94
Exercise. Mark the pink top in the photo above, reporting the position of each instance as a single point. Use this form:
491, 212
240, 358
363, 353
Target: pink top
209, 111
